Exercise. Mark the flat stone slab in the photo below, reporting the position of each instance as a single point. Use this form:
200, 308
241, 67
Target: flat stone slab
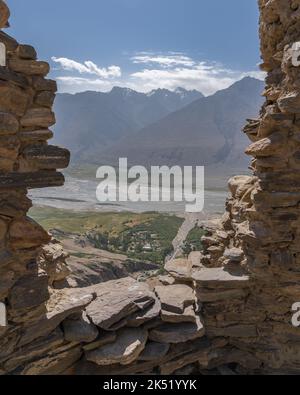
180, 269
53, 364
40, 179
218, 295
62, 304
167, 280
125, 350
188, 315
36, 349
142, 317
219, 278
105, 338
234, 254
80, 330
177, 333
175, 298
117, 300
195, 258
154, 351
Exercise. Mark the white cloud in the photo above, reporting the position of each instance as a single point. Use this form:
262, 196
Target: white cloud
169, 60
153, 71
205, 77
77, 84
88, 67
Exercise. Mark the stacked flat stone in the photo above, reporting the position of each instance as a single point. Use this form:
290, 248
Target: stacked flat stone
116, 327
259, 237
26, 161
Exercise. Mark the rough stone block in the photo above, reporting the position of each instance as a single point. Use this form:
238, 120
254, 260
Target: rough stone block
13, 99
8, 124
177, 333
45, 99
35, 136
26, 233
38, 117
175, 298
13, 77
29, 291
47, 157
126, 349
10, 43
80, 330
42, 84
26, 52
29, 67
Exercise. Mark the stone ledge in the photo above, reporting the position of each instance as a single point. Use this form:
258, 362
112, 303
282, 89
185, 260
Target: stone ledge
219, 278
41, 179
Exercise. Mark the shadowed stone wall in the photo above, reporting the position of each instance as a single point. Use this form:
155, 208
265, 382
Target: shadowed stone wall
261, 225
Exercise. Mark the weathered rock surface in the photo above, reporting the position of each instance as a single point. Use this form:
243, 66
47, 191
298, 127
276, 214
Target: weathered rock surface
25, 233
125, 350
104, 338
54, 363
79, 329
219, 278
145, 316
180, 269
62, 304
154, 351
175, 298
188, 315
52, 259
177, 333
116, 301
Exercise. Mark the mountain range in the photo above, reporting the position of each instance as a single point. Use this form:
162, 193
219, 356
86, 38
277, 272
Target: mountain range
159, 128
90, 122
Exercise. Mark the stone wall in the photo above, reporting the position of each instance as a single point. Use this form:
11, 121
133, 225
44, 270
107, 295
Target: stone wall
26, 161
260, 230
228, 309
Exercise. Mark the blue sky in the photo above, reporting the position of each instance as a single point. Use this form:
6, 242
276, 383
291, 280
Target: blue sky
141, 44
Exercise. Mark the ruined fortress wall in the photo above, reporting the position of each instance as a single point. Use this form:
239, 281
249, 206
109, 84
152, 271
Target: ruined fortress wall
229, 305
262, 218
26, 161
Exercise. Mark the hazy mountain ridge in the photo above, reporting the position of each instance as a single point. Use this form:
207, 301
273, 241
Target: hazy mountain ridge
161, 127
206, 132
89, 122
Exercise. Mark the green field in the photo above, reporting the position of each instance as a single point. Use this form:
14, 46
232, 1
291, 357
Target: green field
146, 236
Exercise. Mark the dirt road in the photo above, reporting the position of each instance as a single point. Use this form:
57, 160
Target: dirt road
190, 221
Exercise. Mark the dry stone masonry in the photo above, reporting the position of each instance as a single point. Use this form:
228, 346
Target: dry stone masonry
260, 231
227, 309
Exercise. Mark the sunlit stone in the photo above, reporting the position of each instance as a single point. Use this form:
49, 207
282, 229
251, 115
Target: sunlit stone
2, 55
3, 319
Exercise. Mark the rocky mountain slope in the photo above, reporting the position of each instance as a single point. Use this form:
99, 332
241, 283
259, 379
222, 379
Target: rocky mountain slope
206, 132
89, 122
